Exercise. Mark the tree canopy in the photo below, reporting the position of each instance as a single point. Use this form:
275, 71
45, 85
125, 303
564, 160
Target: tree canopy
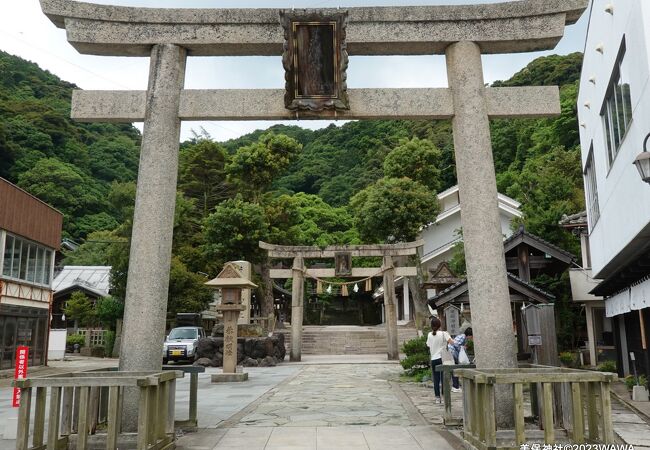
363, 181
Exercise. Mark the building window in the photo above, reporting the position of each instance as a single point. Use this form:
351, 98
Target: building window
593, 210
617, 108
26, 261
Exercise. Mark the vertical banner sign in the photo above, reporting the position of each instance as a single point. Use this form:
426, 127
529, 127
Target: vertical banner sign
22, 355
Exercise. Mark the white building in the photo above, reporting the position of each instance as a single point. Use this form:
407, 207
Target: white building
441, 236
614, 116
600, 335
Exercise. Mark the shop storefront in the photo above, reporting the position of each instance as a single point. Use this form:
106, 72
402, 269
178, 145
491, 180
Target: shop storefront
21, 325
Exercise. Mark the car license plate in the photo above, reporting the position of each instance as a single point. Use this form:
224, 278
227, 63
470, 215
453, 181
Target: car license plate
177, 352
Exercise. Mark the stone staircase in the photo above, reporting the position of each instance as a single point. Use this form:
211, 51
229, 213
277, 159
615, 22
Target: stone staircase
346, 340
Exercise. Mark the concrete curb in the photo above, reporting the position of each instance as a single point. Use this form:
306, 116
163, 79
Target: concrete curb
630, 406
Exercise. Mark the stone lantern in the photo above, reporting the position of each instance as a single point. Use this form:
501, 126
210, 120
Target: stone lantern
231, 282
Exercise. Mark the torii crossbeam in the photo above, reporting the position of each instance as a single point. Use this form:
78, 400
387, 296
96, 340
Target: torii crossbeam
168, 36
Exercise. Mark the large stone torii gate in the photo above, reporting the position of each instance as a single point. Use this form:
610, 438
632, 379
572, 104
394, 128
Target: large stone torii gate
298, 271
168, 36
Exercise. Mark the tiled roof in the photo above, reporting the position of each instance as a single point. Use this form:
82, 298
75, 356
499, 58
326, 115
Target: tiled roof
512, 277
530, 286
97, 278
523, 232
574, 219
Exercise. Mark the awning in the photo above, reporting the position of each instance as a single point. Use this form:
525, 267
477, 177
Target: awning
632, 299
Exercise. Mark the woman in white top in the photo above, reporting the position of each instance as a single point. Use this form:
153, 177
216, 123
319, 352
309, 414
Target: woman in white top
437, 341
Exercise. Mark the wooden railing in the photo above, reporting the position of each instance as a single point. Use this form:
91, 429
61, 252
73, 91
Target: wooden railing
192, 423
590, 394
447, 372
74, 406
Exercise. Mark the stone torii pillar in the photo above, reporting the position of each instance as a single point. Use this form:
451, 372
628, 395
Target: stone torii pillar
485, 260
390, 309
297, 307
462, 32
153, 219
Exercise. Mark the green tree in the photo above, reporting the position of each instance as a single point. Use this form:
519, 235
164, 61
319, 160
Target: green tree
457, 263
416, 159
233, 231
63, 186
393, 210
114, 159
187, 291
93, 252
322, 224
80, 309
549, 186
202, 174
254, 167
108, 310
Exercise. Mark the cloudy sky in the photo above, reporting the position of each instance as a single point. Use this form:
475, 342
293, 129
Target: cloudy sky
26, 32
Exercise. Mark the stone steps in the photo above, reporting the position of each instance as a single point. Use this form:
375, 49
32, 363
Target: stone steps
346, 340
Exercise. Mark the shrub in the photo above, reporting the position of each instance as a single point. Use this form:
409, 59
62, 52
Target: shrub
608, 366
568, 358
426, 375
631, 381
109, 342
80, 309
73, 339
418, 359
469, 346
108, 310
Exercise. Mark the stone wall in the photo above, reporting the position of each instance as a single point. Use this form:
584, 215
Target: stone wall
251, 351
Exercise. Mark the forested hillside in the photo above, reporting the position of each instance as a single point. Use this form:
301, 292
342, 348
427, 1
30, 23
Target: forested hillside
67, 164
366, 181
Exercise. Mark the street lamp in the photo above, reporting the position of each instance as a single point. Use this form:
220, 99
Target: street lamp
642, 162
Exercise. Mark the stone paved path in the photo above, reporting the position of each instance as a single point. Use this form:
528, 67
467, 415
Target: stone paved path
333, 395
629, 427
330, 406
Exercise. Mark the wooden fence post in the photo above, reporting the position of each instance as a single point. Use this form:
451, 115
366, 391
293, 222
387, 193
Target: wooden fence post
39, 416
53, 422
520, 434
66, 408
143, 418
549, 427
606, 413
22, 436
113, 417
592, 411
468, 411
490, 417
578, 419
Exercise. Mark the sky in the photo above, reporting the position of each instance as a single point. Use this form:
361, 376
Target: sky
26, 32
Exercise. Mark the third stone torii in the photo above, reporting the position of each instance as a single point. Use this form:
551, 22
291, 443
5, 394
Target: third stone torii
168, 36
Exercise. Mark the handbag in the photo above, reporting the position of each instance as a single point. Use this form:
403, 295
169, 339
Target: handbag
447, 358
462, 356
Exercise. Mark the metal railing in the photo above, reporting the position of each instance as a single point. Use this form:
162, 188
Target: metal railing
74, 406
589, 392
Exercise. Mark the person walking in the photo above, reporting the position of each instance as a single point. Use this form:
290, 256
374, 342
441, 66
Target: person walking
437, 342
455, 349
